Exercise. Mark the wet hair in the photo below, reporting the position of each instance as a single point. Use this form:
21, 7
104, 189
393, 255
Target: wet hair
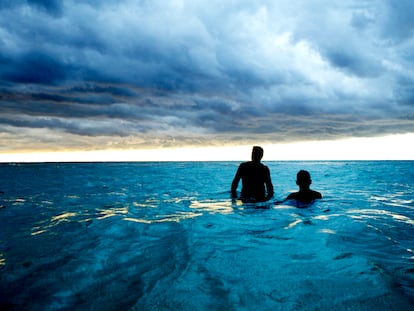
257, 153
303, 178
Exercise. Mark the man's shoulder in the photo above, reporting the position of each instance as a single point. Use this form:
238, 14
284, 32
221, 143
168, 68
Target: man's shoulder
248, 164
304, 196
254, 166
244, 164
293, 196
316, 194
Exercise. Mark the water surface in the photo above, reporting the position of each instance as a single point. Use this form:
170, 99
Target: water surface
166, 236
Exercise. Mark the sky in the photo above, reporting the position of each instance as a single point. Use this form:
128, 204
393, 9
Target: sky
195, 79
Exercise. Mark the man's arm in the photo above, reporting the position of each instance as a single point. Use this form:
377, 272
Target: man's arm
269, 185
235, 183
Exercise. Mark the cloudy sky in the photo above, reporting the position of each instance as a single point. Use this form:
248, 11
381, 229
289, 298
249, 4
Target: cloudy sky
136, 74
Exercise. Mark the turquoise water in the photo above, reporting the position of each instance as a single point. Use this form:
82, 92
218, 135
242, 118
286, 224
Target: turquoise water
166, 236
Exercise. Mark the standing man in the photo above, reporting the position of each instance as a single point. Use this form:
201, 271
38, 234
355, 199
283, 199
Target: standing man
256, 182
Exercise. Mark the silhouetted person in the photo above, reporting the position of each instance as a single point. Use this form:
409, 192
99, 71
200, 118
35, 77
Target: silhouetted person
305, 194
256, 182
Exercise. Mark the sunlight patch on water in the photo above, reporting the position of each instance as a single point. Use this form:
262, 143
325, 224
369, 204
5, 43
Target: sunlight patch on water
211, 206
72, 196
54, 221
63, 217
112, 211
327, 231
147, 203
375, 213
178, 200
322, 217
409, 250
37, 230
294, 223
165, 218
393, 199
19, 201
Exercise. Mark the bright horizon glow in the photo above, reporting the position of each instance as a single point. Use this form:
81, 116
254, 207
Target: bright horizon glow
393, 147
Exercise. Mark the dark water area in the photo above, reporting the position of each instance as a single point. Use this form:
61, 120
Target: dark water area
167, 236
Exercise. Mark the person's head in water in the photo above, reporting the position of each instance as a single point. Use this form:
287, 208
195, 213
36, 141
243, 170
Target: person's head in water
305, 194
303, 179
257, 154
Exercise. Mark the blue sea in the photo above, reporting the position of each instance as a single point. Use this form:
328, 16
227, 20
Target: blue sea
167, 236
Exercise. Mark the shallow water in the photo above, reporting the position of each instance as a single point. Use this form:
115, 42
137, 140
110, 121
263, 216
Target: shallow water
166, 236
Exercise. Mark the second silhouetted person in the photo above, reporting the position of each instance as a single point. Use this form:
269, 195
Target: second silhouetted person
305, 194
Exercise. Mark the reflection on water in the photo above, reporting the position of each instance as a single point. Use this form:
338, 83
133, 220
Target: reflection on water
166, 236
294, 223
394, 199
379, 214
223, 207
165, 218
111, 211
62, 217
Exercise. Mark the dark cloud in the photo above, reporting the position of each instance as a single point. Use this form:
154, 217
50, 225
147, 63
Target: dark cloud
36, 68
398, 23
353, 63
203, 71
52, 7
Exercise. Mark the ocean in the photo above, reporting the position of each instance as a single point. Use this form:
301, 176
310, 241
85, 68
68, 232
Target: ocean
167, 236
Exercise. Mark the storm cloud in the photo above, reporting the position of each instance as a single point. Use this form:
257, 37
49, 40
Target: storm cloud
93, 74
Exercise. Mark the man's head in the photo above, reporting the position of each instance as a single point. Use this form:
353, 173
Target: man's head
257, 153
303, 178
